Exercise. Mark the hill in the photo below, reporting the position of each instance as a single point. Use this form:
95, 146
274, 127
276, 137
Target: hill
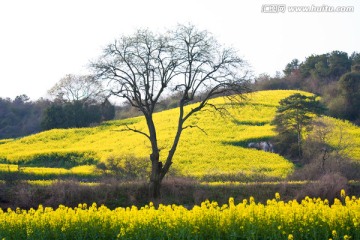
218, 153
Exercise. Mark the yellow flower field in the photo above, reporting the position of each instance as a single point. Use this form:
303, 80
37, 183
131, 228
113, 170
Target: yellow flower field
220, 151
308, 219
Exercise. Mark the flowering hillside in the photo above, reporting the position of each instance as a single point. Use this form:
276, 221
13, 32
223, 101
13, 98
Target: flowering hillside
215, 153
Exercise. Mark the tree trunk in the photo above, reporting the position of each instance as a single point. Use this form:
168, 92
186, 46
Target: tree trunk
156, 165
154, 189
155, 180
299, 141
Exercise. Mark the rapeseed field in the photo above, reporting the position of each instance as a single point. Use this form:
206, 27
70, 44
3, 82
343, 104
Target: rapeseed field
311, 218
212, 154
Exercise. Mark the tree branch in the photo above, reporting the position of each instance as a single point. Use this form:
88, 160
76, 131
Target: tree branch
195, 126
133, 130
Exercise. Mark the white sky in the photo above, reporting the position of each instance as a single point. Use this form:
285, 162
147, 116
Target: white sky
41, 41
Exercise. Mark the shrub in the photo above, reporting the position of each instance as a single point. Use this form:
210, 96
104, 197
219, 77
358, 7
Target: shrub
59, 159
126, 167
328, 187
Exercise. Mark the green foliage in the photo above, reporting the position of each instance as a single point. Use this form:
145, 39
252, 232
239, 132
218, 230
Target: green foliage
76, 114
315, 65
334, 100
293, 117
355, 68
329, 65
355, 58
350, 86
292, 66
327, 75
296, 111
339, 63
322, 74
107, 111
20, 117
53, 117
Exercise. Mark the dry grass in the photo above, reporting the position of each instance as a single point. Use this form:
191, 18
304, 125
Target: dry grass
182, 191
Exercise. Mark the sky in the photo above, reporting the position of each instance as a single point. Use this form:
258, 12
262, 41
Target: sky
41, 41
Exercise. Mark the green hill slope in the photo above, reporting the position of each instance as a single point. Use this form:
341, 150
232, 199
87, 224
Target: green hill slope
220, 154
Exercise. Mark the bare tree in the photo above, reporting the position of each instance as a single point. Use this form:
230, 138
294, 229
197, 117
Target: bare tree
328, 141
146, 66
83, 88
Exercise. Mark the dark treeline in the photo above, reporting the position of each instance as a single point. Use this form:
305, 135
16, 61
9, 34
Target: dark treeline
334, 76
21, 117
76, 114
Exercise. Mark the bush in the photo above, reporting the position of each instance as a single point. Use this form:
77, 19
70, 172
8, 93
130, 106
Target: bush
126, 167
286, 145
59, 159
327, 187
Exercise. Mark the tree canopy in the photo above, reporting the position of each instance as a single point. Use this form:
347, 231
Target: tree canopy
294, 115
79, 102
82, 88
21, 116
144, 67
329, 65
350, 89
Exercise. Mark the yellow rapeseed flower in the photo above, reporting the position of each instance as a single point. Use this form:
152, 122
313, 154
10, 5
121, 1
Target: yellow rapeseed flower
277, 196
342, 193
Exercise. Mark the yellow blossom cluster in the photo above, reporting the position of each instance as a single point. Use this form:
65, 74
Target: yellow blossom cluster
276, 219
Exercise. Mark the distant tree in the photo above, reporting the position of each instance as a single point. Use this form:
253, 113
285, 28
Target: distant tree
339, 63
84, 88
265, 82
355, 68
355, 58
293, 117
350, 87
326, 66
21, 99
20, 117
315, 66
262, 77
107, 110
291, 67
53, 117
74, 114
80, 100
314, 74
144, 67
327, 141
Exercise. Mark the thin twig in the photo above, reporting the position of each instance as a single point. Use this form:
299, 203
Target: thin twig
132, 130
195, 126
